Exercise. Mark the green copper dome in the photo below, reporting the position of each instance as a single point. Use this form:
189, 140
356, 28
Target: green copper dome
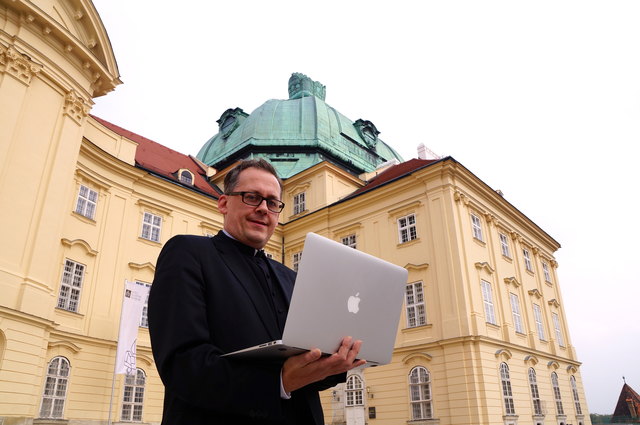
296, 134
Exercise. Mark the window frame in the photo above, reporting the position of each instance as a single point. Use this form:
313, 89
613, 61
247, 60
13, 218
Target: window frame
507, 392
420, 394
59, 383
487, 301
182, 172
408, 230
557, 394
415, 304
546, 272
556, 327
516, 313
504, 245
350, 241
527, 260
576, 396
354, 391
476, 227
535, 392
144, 317
134, 385
70, 292
85, 206
296, 257
148, 227
299, 203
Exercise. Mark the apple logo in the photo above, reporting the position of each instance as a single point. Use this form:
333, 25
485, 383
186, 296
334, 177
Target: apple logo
353, 303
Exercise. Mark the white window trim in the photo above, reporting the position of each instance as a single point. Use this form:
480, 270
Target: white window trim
507, 393
55, 389
408, 231
537, 315
144, 318
557, 329
354, 391
415, 305
557, 395
487, 300
295, 260
476, 226
71, 284
86, 202
516, 313
546, 272
576, 396
350, 241
184, 171
527, 260
504, 245
299, 203
149, 225
133, 397
420, 394
535, 393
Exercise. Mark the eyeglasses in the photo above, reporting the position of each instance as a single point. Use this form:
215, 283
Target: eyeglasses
254, 199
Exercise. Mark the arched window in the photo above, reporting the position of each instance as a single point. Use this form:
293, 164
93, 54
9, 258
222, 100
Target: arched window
535, 394
420, 392
133, 397
507, 394
576, 397
55, 388
186, 177
556, 394
354, 391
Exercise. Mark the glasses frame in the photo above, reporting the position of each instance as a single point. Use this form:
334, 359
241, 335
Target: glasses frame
262, 198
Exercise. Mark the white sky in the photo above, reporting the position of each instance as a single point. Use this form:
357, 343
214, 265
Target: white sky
538, 99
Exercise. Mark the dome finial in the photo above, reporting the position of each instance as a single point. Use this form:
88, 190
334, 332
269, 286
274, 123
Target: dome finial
302, 86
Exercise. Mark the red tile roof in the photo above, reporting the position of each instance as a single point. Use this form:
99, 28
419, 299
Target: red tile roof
393, 173
162, 161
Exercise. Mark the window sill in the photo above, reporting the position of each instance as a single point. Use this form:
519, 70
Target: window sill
493, 325
70, 314
50, 421
83, 218
408, 243
300, 214
418, 327
149, 241
506, 258
480, 242
433, 421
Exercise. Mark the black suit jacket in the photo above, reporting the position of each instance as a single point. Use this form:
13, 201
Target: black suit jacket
205, 302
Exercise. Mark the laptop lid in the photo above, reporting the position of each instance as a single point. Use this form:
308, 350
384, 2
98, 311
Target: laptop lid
340, 292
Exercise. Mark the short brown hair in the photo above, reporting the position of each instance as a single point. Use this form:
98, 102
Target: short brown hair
231, 179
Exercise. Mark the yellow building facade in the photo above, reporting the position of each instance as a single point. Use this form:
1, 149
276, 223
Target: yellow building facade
86, 205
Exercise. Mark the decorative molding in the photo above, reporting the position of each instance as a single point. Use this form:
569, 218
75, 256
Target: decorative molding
490, 219
299, 188
535, 293
553, 365
512, 280
76, 107
572, 369
416, 267
64, 344
418, 355
535, 250
531, 360
162, 210
146, 359
484, 265
18, 65
405, 209
516, 236
554, 303
140, 266
503, 352
459, 196
69, 243
554, 264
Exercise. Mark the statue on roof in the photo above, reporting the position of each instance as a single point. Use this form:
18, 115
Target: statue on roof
302, 86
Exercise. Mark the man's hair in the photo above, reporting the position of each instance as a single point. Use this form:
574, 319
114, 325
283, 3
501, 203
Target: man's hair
231, 179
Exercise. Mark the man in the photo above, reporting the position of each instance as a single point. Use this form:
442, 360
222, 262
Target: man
211, 296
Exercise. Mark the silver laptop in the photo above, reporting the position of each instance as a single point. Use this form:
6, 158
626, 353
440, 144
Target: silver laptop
339, 291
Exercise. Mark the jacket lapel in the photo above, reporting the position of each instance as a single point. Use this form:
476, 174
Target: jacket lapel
231, 256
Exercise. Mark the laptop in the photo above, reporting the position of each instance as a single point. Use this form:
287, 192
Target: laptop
339, 291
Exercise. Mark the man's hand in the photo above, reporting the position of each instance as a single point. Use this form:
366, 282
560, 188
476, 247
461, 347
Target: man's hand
310, 367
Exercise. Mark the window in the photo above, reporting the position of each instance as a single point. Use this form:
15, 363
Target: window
297, 257
527, 260
545, 270
576, 397
535, 394
70, 286
504, 245
86, 203
354, 391
133, 397
556, 393
55, 388
515, 312
556, 327
186, 177
477, 227
420, 390
537, 315
349, 241
407, 228
487, 298
507, 395
416, 313
299, 204
151, 224
144, 319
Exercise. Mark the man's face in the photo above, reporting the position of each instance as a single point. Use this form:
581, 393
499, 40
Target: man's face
253, 226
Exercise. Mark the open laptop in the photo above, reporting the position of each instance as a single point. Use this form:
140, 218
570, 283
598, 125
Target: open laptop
339, 291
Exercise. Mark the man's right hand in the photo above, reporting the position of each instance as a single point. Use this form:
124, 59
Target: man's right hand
310, 367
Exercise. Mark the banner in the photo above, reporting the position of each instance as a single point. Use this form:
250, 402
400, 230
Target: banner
135, 296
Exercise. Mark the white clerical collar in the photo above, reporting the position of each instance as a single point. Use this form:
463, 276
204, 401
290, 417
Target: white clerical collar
255, 251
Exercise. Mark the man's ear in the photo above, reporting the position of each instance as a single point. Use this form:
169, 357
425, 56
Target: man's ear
222, 204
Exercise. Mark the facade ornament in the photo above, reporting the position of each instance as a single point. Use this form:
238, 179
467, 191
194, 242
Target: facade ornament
535, 293
512, 280
503, 352
553, 365
368, 132
484, 265
554, 264
516, 236
531, 360
84, 244
46, 30
535, 250
459, 196
75, 107
554, 302
17, 65
302, 86
78, 15
490, 218
229, 121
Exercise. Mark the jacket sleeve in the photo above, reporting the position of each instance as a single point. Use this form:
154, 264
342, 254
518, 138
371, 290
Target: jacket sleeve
189, 364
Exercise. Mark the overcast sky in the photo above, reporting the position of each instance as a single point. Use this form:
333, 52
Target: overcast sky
538, 99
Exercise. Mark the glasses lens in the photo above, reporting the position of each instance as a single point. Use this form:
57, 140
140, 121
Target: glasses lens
251, 199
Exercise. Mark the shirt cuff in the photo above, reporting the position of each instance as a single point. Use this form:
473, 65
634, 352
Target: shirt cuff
283, 394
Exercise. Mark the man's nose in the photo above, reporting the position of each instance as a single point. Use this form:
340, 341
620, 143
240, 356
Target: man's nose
262, 206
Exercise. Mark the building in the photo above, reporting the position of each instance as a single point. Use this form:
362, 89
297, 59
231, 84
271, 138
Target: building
86, 204
627, 409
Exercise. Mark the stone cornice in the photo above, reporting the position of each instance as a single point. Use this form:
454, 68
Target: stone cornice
18, 65
69, 243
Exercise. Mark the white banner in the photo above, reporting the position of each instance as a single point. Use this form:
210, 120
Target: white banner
135, 296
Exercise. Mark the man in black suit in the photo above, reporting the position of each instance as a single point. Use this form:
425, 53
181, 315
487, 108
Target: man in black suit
211, 296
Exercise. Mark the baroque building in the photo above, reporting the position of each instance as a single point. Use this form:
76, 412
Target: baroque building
86, 204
